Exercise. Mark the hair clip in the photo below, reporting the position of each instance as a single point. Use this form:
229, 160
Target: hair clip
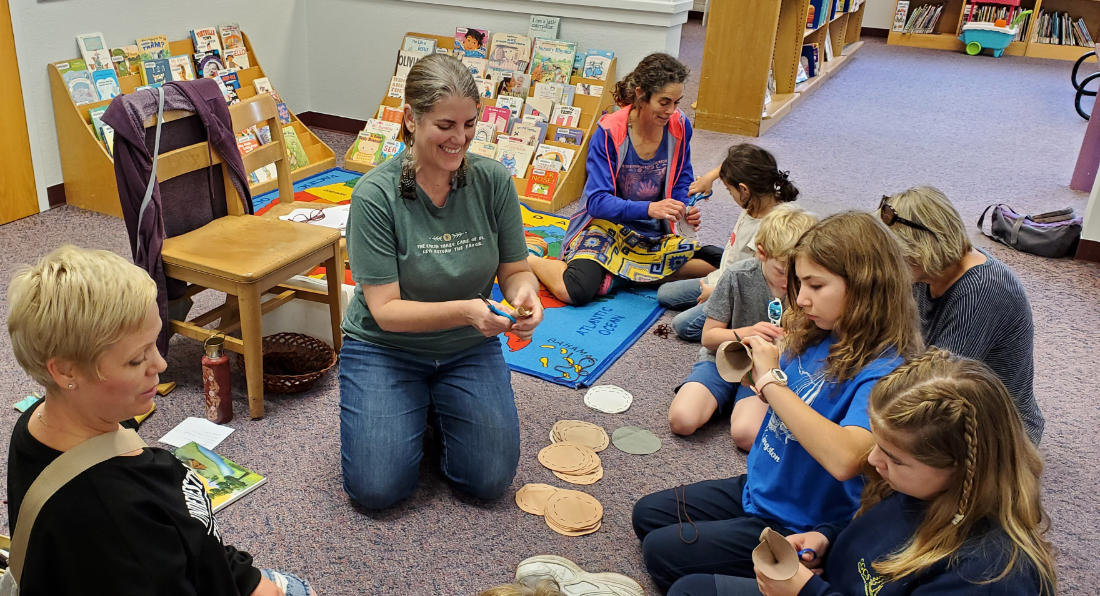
957, 519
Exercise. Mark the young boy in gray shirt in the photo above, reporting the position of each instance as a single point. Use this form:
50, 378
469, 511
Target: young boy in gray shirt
738, 308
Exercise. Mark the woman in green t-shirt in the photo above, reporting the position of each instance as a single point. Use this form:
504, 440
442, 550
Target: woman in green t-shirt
429, 231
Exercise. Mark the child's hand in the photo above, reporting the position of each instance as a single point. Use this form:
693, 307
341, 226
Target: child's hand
790, 587
669, 209
700, 185
764, 329
765, 355
810, 541
705, 290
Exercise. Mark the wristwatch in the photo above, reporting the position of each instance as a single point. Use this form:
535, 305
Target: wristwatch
774, 375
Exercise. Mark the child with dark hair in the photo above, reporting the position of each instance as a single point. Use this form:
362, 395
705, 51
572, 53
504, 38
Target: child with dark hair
757, 185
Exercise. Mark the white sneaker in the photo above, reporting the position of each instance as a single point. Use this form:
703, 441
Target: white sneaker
574, 581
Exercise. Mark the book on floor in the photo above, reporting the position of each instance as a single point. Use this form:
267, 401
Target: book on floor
225, 480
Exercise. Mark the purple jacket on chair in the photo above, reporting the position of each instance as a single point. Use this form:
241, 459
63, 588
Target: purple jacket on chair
185, 210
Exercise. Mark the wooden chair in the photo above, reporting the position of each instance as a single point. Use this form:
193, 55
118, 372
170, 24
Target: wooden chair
246, 256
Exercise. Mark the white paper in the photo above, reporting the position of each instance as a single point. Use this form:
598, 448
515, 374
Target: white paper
333, 217
199, 430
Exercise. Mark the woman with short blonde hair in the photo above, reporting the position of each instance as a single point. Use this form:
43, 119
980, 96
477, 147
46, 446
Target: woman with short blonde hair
969, 302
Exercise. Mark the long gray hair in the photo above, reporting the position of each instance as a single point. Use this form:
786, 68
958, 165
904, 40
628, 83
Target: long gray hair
433, 78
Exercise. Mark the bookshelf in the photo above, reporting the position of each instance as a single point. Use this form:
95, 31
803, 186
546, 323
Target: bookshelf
88, 170
746, 38
946, 33
570, 182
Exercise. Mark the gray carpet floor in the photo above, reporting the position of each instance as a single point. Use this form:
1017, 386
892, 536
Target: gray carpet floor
984, 130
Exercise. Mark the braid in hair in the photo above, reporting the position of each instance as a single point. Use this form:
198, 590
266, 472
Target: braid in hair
970, 434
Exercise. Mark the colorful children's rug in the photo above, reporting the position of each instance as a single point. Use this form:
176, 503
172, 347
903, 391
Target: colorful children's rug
574, 345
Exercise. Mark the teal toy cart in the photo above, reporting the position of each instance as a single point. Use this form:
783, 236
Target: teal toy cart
979, 36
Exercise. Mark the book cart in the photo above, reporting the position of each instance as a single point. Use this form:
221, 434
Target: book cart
747, 38
570, 182
88, 170
947, 29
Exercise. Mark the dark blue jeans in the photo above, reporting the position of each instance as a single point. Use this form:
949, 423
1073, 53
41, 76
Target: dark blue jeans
385, 397
720, 541
701, 584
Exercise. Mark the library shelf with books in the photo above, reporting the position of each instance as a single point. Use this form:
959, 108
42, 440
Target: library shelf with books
767, 38
570, 184
1035, 40
87, 169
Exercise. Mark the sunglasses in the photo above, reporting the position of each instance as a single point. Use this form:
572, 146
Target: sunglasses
889, 217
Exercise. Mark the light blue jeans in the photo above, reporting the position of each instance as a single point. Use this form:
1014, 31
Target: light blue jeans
679, 295
385, 399
290, 584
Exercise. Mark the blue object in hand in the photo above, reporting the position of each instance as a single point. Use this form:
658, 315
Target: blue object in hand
808, 551
496, 311
699, 196
775, 311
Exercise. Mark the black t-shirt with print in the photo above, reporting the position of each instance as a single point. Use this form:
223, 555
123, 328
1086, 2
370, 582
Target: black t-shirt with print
139, 525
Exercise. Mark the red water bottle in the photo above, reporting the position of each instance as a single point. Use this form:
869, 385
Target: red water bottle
215, 381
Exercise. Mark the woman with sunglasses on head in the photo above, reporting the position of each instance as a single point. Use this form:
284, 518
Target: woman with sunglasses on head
969, 302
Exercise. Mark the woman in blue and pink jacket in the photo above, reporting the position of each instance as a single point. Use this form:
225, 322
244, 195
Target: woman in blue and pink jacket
639, 170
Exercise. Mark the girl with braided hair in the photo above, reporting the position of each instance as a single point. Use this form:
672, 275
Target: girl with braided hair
951, 504
757, 185
851, 319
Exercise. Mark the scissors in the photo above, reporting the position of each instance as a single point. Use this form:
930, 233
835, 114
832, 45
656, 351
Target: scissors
496, 311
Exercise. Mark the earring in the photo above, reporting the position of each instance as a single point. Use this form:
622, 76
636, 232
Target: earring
407, 185
71, 386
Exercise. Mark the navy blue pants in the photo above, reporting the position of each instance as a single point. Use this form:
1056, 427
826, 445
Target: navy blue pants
720, 541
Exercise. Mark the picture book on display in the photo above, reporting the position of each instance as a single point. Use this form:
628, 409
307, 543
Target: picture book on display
405, 61
155, 72
283, 111
475, 65
296, 154
418, 45
229, 79
153, 47
588, 89
472, 42
514, 156
390, 114
572, 136
95, 115
544, 27
94, 51
206, 39
367, 148
485, 131
538, 107
541, 184
127, 60
552, 60
497, 116
182, 68
516, 84
106, 83
226, 481
483, 148
514, 104
559, 154
509, 52
78, 81
236, 58
396, 88
208, 64
388, 129
485, 88
231, 36
564, 115
596, 64
542, 163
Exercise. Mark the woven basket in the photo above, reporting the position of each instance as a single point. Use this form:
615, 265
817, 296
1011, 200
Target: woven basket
293, 362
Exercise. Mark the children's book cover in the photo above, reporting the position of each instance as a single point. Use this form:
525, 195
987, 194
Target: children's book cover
205, 39
538, 107
485, 131
127, 60
541, 163
485, 88
552, 60
472, 42
510, 51
106, 83
475, 65
391, 114
263, 134
588, 89
418, 45
496, 115
181, 68
368, 148
248, 141
236, 58
514, 104
283, 111
597, 63
562, 154
229, 79
94, 51
515, 84
231, 36
548, 90
388, 129
527, 132
225, 480
541, 184
391, 148
405, 62
564, 115
153, 47
544, 27
108, 135
95, 115
296, 154
483, 148
572, 136
155, 72
208, 64
514, 156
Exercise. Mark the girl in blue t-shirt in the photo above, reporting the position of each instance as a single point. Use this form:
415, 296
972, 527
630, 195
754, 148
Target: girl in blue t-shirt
851, 321
951, 504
